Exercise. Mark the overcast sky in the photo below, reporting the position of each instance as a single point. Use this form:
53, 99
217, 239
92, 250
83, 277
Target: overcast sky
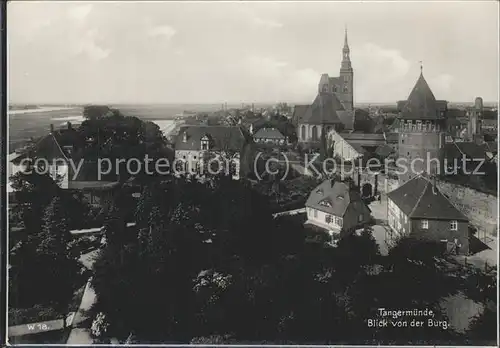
78, 52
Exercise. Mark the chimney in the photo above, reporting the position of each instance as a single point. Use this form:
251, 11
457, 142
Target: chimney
69, 125
184, 137
52, 128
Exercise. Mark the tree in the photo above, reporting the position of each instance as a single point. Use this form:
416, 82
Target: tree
33, 192
483, 327
55, 260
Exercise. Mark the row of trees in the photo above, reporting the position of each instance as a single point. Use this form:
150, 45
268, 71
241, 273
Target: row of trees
208, 264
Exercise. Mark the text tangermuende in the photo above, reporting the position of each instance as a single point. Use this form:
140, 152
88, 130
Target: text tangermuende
395, 314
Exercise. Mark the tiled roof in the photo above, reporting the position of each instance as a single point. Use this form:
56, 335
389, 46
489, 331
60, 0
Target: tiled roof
417, 198
363, 136
269, 133
323, 110
490, 115
298, 113
334, 197
391, 138
88, 171
421, 103
347, 118
221, 137
469, 149
490, 123
47, 147
491, 146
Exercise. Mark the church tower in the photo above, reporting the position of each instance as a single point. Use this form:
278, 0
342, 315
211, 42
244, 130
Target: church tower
475, 115
346, 94
422, 126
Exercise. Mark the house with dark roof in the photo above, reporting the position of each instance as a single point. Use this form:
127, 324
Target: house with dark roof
195, 146
56, 152
337, 208
464, 157
418, 208
269, 136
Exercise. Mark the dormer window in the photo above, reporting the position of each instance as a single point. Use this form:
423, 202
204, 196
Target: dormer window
325, 203
205, 143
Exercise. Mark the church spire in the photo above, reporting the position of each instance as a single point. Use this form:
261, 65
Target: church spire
346, 44
345, 51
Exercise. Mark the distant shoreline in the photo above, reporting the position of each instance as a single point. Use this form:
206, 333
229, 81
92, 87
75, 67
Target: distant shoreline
41, 109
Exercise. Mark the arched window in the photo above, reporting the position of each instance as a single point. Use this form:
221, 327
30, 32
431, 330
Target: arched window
303, 132
314, 132
334, 89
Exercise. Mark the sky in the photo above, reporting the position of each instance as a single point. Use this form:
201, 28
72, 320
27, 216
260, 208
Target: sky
213, 52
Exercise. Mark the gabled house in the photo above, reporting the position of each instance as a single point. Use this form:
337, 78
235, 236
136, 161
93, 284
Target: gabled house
57, 153
270, 136
195, 146
419, 209
336, 207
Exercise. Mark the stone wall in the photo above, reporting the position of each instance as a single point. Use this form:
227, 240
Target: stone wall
480, 208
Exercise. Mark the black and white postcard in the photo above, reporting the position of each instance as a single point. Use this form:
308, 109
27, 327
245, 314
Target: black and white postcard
251, 173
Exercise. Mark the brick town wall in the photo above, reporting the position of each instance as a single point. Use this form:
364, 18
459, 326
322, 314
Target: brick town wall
479, 207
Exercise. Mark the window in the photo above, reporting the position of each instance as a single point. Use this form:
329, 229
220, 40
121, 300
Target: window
406, 219
338, 221
346, 89
454, 225
314, 132
425, 224
328, 219
346, 78
315, 213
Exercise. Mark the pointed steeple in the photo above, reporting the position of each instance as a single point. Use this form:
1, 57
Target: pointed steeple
345, 50
346, 59
346, 44
421, 103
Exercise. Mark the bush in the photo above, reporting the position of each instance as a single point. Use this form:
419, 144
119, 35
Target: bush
18, 316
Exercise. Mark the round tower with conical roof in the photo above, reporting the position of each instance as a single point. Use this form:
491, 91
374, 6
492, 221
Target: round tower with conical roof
422, 125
